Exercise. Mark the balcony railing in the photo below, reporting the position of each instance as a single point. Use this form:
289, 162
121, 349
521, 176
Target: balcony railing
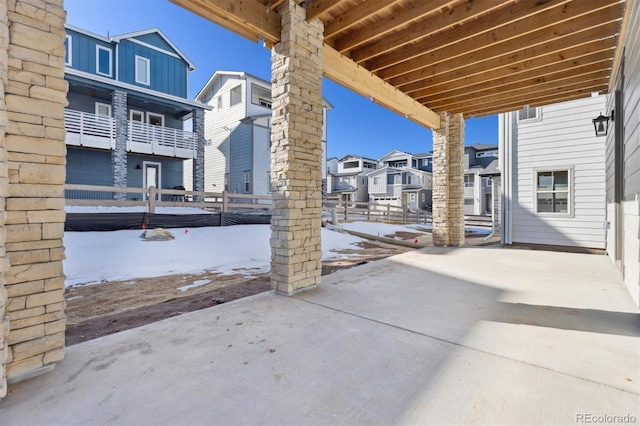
98, 131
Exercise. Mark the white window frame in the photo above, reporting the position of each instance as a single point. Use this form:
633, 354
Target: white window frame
412, 197
377, 180
69, 52
100, 104
527, 108
231, 94
219, 100
147, 81
135, 111
98, 49
153, 114
467, 183
569, 191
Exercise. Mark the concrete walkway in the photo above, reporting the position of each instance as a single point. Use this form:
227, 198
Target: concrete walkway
435, 336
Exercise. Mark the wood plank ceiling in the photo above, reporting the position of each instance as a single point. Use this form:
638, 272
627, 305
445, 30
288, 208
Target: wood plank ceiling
475, 57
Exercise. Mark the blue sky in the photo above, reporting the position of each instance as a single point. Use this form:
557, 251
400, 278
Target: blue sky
356, 125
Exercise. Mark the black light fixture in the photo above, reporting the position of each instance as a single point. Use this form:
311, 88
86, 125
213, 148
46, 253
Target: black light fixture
138, 166
601, 124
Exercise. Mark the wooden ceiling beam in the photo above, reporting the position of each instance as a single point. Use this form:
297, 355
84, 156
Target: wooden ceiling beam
511, 64
381, 27
558, 81
513, 37
249, 19
538, 40
317, 8
356, 15
418, 30
461, 89
344, 71
583, 89
499, 26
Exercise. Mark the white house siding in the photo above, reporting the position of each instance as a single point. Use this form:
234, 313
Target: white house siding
563, 139
240, 158
627, 116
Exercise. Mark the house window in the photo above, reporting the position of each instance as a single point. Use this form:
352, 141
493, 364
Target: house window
424, 197
247, 181
481, 154
155, 119
143, 70
364, 181
103, 61
552, 191
376, 180
260, 96
412, 198
136, 116
408, 179
236, 95
468, 181
103, 109
219, 102
528, 113
67, 50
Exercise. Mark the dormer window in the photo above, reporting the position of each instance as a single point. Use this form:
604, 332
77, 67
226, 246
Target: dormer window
103, 61
143, 70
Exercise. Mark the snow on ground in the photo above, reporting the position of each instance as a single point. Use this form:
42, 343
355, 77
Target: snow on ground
383, 229
95, 257
134, 209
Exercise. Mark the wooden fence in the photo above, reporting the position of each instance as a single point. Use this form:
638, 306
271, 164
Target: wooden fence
376, 212
151, 198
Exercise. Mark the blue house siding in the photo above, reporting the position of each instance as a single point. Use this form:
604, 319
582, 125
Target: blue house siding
154, 39
168, 74
171, 170
83, 52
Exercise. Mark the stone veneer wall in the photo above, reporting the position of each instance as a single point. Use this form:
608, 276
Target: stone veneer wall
119, 153
4, 191
296, 152
448, 181
198, 162
35, 97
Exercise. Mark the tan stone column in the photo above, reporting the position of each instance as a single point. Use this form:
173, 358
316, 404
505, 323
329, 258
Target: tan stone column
296, 152
4, 191
448, 181
35, 99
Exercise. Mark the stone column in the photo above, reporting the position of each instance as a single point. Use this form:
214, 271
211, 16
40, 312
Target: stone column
4, 192
35, 97
448, 181
296, 152
119, 153
198, 162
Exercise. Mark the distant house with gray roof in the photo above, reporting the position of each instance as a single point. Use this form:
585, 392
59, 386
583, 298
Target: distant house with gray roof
480, 166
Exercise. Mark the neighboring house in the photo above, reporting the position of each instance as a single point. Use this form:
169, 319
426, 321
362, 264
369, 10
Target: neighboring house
238, 125
403, 179
127, 105
554, 175
401, 187
349, 179
480, 166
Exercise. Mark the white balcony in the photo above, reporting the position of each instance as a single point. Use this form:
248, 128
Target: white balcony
98, 131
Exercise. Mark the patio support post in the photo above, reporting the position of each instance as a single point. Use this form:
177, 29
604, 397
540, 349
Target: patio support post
198, 162
32, 176
4, 191
296, 152
119, 153
448, 181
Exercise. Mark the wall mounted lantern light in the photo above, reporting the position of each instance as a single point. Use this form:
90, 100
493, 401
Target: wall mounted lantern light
601, 124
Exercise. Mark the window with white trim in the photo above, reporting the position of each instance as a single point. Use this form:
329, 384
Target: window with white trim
468, 181
236, 95
529, 113
412, 198
553, 191
103, 61
103, 109
143, 70
135, 115
376, 180
220, 102
68, 46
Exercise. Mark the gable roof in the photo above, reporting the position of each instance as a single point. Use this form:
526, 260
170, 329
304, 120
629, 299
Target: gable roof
482, 146
491, 169
393, 151
135, 34
357, 156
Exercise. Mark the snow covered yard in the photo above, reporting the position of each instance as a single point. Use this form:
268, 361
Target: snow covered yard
95, 257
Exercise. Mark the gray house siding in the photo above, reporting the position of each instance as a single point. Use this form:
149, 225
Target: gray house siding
240, 153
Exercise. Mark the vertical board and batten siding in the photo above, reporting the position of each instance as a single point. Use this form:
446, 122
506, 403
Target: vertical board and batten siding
261, 160
83, 52
563, 139
630, 116
241, 141
168, 74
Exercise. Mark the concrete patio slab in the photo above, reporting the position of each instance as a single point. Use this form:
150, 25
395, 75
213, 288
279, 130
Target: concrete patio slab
435, 336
